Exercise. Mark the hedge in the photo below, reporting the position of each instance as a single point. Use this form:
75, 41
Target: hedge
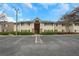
4, 33
31, 33
18, 33
48, 33
52, 33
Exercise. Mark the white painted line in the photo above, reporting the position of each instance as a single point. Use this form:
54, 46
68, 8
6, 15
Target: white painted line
41, 41
36, 39
18, 40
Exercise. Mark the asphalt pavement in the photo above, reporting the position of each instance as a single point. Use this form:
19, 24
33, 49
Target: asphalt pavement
39, 45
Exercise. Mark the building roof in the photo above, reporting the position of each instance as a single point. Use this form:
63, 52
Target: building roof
41, 21
1, 22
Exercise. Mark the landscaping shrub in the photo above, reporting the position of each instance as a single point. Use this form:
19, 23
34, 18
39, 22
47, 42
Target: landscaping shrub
18, 33
24, 33
58, 33
31, 33
48, 33
4, 33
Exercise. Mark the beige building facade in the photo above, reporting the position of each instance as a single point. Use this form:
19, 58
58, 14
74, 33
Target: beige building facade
6, 26
37, 26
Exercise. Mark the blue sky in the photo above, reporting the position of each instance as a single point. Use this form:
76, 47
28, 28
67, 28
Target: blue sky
45, 11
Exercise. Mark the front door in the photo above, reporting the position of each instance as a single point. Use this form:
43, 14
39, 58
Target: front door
37, 27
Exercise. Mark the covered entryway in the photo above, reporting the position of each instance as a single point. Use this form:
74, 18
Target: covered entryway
37, 27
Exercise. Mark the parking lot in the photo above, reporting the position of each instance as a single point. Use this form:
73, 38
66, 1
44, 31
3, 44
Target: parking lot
39, 45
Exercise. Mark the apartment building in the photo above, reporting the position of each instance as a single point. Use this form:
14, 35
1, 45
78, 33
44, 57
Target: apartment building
37, 26
6, 26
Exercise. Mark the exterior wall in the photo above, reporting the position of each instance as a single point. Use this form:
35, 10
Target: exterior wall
71, 29
59, 28
25, 27
41, 27
32, 27
7, 26
48, 27
75, 28
10, 27
53, 27
14, 27
0, 27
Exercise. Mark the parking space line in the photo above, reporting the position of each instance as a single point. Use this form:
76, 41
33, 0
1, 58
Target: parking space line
19, 40
38, 39
41, 41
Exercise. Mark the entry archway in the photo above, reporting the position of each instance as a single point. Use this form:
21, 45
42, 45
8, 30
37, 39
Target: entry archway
37, 27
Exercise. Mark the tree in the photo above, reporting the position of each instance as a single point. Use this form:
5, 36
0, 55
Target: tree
71, 17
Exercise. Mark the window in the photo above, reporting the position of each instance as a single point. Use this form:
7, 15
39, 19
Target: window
25, 30
56, 30
46, 24
62, 30
56, 24
51, 30
45, 30
28, 30
76, 24
22, 24
5, 25
48, 30
28, 24
5, 30
75, 30
62, 24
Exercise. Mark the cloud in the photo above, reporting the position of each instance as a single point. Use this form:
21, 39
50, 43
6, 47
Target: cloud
31, 6
6, 7
10, 19
75, 5
60, 10
21, 19
26, 19
65, 7
46, 5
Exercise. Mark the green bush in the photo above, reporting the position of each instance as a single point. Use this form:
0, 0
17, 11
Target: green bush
24, 33
58, 33
18, 33
4, 33
48, 33
31, 33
